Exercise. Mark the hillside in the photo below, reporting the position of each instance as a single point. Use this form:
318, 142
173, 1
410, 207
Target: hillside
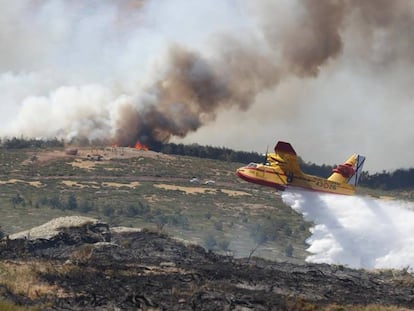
198, 200
182, 203
79, 263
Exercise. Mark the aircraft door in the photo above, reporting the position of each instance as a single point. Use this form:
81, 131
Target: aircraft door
260, 173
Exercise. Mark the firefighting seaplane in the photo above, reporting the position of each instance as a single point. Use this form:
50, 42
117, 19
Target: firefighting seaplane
281, 170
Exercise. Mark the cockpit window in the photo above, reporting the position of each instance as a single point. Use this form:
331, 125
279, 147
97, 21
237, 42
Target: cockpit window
252, 165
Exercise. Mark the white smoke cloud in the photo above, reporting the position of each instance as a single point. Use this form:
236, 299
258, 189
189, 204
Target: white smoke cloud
359, 232
68, 67
68, 113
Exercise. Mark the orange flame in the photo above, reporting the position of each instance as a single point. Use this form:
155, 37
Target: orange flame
139, 146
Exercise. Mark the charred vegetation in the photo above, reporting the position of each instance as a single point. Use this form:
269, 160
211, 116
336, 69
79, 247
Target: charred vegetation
95, 267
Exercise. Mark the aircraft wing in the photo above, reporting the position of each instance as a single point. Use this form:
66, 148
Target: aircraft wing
288, 159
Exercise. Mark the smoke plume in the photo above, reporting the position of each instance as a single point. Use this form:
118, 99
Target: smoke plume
130, 70
359, 232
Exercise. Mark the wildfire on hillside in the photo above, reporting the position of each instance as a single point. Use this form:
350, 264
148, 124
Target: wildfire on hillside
140, 146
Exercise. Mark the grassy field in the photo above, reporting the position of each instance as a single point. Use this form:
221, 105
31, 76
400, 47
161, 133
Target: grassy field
146, 189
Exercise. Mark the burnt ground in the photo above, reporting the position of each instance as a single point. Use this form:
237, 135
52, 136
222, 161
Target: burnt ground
102, 268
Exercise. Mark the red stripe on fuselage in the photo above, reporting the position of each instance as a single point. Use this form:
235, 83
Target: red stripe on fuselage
310, 189
261, 182
279, 186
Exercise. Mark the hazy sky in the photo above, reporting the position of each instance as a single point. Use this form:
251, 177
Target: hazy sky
331, 77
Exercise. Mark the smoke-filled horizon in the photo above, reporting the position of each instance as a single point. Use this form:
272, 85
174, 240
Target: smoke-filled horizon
359, 232
236, 73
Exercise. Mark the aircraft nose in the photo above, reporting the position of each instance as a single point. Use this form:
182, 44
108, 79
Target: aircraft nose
240, 171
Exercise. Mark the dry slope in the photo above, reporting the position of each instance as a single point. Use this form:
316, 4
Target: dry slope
92, 266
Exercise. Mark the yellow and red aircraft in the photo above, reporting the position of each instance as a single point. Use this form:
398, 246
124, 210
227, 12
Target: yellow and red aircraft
281, 170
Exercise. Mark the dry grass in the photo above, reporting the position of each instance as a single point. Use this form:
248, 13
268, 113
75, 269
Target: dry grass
21, 278
131, 185
302, 305
84, 164
10, 306
402, 276
95, 185
187, 190
364, 308
36, 184
201, 190
234, 193
71, 183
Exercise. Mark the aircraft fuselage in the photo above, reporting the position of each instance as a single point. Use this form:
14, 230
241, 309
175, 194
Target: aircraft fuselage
276, 177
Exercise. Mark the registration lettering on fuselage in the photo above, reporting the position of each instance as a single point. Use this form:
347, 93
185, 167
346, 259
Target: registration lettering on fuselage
325, 184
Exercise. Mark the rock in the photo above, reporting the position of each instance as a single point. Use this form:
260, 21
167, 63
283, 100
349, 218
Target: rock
71, 151
54, 227
62, 233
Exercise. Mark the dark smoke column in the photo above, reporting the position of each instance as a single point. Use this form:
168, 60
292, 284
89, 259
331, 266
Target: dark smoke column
193, 91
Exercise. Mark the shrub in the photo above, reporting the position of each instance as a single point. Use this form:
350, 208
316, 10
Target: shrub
161, 221
55, 202
2, 234
108, 211
140, 209
210, 242
208, 215
17, 199
258, 233
289, 251
131, 211
218, 225
85, 206
72, 202
224, 245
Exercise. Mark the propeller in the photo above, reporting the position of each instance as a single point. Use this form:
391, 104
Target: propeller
265, 155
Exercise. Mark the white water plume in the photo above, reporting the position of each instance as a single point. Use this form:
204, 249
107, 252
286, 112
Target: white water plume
357, 231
